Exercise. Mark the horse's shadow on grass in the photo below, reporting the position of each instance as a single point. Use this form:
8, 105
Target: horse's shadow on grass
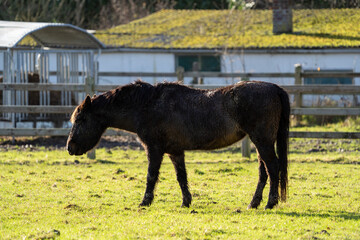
337, 214
100, 161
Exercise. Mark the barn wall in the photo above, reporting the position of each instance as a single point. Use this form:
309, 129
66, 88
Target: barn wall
285, 63
250, 62
135, 62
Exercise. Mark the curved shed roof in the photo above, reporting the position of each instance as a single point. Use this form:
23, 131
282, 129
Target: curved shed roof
52, 35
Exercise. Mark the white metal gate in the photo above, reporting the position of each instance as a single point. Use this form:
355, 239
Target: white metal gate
51, 66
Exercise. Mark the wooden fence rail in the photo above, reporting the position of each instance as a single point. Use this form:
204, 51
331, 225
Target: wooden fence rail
18, 132
232, 75
21, 132
70, 109
222, 74
36, 109
43, 87
291, 89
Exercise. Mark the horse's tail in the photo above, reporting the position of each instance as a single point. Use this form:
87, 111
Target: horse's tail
282, 143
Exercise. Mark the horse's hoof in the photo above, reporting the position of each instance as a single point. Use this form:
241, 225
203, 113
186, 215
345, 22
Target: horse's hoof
186, 201
144, 204
269, 207
271, 203
254, 203
251, 207
185, 205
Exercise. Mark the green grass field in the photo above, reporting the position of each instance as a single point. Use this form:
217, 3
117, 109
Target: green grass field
49, 194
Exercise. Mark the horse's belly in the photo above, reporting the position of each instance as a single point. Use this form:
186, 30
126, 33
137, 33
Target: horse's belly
223, 141
205, 134
202, 142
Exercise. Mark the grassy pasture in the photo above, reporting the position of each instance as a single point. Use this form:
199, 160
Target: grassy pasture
49, 194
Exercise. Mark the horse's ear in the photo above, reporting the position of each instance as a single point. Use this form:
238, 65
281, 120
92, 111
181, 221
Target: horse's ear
87, 102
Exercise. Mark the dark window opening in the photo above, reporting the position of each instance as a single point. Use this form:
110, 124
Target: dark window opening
199, 63
329, 80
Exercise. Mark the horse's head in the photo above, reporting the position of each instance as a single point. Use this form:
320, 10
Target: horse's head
86, 130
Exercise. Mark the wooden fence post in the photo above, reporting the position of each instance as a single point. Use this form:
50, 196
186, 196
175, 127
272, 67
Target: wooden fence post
245, 147
180, 74
196, 69
298, 96
90, 90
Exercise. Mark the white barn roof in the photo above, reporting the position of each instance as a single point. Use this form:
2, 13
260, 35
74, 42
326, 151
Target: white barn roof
52, 35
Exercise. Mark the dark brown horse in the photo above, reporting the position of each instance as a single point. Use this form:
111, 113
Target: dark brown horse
171, 118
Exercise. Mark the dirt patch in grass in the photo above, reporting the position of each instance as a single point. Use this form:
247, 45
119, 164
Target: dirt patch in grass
56, 143
296, 146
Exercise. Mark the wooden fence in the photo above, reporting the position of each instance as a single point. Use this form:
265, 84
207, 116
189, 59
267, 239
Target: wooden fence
298, 89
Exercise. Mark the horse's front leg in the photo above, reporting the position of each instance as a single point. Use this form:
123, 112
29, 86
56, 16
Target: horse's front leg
179, 164
155, 157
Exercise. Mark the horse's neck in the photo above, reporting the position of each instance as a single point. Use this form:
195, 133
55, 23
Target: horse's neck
114, 117
124, 120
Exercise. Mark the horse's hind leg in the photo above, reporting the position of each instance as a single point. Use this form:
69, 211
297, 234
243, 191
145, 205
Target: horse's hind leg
267, 154
255, 202
179, 164
155, 158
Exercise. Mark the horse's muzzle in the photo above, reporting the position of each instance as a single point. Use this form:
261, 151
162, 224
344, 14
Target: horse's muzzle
73, 149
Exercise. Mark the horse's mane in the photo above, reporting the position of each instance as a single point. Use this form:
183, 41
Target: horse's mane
138, 92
